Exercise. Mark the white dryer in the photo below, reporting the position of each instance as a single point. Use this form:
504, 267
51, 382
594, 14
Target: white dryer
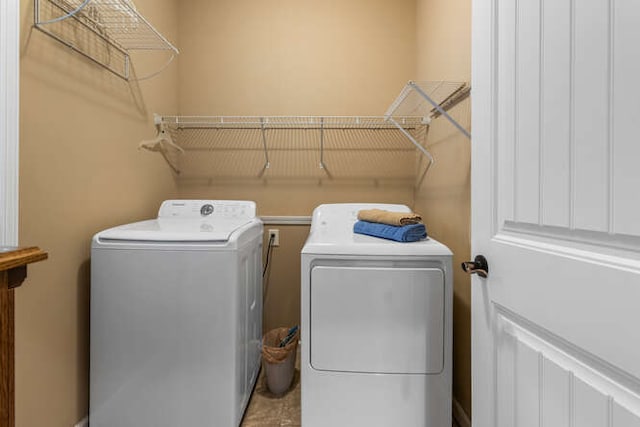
176, 317
376, 326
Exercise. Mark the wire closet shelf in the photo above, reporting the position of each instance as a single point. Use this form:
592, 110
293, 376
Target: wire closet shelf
408, 118
289, 122
104, 31
178, 135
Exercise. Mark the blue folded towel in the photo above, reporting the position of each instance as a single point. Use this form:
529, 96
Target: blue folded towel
406, 233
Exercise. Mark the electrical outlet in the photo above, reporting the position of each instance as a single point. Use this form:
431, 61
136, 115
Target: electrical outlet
275, 233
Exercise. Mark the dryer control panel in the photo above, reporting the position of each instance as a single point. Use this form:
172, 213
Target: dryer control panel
232, 209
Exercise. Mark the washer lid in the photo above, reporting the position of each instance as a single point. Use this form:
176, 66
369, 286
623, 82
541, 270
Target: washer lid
176, 230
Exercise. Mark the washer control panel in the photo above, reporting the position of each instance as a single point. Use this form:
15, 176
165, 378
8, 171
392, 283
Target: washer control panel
208, 209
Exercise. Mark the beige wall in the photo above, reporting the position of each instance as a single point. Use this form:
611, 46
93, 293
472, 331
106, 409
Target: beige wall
291, 57
282, 278
80, 172
444, 40
444, 53
294, 57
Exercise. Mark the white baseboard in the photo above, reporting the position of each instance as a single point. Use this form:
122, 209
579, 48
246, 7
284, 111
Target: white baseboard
83, 423
459, 415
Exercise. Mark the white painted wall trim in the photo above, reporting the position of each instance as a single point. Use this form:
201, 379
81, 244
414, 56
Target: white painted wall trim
459, 415
286, 220
9, 121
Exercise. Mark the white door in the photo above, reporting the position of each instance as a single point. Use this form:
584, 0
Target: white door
9, 97
556, 211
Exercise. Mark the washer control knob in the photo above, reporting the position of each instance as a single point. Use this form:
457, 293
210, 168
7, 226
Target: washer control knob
206, 210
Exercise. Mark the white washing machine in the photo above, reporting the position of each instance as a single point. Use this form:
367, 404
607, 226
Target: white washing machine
176, 317
376, 326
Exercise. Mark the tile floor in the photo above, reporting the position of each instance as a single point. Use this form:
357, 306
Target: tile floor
268, 410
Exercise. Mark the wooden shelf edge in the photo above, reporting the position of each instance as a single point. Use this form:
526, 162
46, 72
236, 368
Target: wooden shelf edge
19, 257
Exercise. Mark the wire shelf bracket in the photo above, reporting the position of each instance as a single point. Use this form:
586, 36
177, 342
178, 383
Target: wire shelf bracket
267, 164
322, 165
103, 31
428, 100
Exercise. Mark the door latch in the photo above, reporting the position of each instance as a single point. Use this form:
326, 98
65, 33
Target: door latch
478, 266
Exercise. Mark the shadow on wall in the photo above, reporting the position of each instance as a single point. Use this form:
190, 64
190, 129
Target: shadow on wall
444, 200
48, 61
331, 154
282, 277
360, 165
83, 306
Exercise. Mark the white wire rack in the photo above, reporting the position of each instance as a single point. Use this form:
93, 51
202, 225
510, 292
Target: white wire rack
428, 100
286, 122
294, 146
104, 31
289, 146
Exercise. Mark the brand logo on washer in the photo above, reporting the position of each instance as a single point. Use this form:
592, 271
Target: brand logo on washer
206, 210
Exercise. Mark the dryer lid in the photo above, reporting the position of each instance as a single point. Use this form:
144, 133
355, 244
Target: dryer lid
332, 234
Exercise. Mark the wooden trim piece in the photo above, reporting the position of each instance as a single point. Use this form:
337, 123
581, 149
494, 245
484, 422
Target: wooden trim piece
16, 276
21, 256
7, 356
13, 271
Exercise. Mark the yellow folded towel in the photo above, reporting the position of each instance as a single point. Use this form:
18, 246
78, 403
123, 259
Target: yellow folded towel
391, 218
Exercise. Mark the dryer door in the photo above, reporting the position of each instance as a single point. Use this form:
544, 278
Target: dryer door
377, 320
